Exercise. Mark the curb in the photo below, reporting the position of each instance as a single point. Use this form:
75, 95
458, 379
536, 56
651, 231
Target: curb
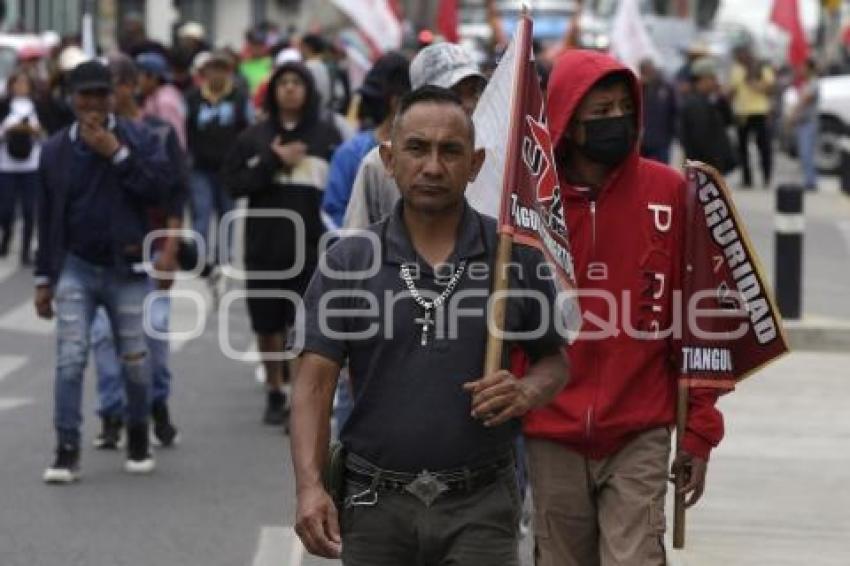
818, 335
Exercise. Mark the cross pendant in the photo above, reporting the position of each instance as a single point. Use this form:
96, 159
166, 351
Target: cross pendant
426, 322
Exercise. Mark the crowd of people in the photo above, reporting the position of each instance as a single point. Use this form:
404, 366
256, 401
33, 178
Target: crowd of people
113, 152
704, 102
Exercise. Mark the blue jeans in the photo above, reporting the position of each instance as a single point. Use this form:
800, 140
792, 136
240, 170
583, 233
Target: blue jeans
110, 393
19, 188
807, 141
81, 289
208, 195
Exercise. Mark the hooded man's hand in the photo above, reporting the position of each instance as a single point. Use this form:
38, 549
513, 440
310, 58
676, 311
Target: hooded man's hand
290, 153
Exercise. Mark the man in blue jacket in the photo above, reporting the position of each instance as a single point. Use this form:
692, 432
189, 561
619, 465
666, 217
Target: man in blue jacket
98, 179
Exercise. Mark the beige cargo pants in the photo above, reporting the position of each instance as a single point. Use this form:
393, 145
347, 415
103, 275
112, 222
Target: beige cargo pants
607, 512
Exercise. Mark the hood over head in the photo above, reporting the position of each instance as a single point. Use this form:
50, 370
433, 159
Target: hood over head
310, 111
573, 76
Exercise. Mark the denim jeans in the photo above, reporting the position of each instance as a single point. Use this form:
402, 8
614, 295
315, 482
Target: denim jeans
110, 393
82, 287
807, 141
208, 195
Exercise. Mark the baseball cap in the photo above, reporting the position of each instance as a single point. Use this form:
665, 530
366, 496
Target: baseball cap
192, 30
703, 67
90, 75
153, 63
287, 55
444, 65
390, 69
70, 57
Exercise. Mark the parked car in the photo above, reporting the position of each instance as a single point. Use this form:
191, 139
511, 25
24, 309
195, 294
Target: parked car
834, 111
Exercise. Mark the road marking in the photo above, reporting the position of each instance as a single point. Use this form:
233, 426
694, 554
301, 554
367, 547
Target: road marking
11, 364
23, 319
278, 546
9, 403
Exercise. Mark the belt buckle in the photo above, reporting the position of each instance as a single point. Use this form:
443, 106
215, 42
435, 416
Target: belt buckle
426, 487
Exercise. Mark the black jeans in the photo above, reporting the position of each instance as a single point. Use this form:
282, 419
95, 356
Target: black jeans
756, 124
478, 528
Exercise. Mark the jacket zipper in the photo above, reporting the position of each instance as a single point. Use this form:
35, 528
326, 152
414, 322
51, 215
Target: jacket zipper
589, 416
593, 221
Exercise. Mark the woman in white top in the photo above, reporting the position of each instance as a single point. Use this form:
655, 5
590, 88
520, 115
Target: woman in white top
20, 148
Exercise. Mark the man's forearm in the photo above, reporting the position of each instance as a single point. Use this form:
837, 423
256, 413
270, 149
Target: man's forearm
312, 398
547, 377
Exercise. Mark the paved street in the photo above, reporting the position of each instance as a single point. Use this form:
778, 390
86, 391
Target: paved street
224, 497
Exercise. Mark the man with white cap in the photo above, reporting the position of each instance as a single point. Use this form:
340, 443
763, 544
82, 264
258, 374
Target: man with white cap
191, 36
446, 65
217, 112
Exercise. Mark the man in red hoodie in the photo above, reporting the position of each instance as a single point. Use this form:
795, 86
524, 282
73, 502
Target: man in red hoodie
599, 452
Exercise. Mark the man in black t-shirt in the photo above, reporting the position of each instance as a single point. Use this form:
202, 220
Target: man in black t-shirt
430, 475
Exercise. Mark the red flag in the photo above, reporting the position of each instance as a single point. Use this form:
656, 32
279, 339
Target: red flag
531, 207
722, 273
447, 20
786, 15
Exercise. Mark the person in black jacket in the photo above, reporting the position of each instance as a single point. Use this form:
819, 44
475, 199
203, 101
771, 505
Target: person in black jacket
704, 118
659, 113
281, 165
98, 179
217, 114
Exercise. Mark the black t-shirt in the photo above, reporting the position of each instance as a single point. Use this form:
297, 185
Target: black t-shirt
410, 409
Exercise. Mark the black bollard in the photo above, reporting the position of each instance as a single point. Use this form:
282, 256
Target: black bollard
790, 225
844, 172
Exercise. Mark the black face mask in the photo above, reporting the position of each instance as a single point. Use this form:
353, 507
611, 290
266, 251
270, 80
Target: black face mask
609, 140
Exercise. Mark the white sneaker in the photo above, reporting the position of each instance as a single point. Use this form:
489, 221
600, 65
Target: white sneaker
145, 466
66, 467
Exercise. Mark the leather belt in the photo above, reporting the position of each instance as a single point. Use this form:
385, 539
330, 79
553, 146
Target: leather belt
426, 485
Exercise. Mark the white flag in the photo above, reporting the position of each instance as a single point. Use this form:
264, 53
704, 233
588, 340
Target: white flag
375, 20
630, 42
491, 119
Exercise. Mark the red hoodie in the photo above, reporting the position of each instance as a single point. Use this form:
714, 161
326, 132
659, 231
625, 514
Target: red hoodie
628, 242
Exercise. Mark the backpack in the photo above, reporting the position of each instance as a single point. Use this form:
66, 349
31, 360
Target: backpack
19, 143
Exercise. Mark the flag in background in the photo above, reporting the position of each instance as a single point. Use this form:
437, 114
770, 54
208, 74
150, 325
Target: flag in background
630, 42
786, 15
447, 20
377, 22
518, 183
721, 264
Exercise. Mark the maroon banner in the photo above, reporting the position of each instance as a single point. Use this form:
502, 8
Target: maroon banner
532, 210
731, 326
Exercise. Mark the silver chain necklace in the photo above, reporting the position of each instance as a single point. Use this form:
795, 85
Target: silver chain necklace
429, 306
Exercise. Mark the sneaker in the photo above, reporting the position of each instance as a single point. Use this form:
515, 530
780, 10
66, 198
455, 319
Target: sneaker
276, 412
66, 467
110, 435
139, 457
164, 432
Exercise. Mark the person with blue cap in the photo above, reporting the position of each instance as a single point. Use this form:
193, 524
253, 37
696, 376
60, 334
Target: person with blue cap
160, 98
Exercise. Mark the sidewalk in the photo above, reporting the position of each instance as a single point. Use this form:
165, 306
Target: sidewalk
777, 486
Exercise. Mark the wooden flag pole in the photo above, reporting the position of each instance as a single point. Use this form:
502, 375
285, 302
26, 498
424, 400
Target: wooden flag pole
493, 354
679, 498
